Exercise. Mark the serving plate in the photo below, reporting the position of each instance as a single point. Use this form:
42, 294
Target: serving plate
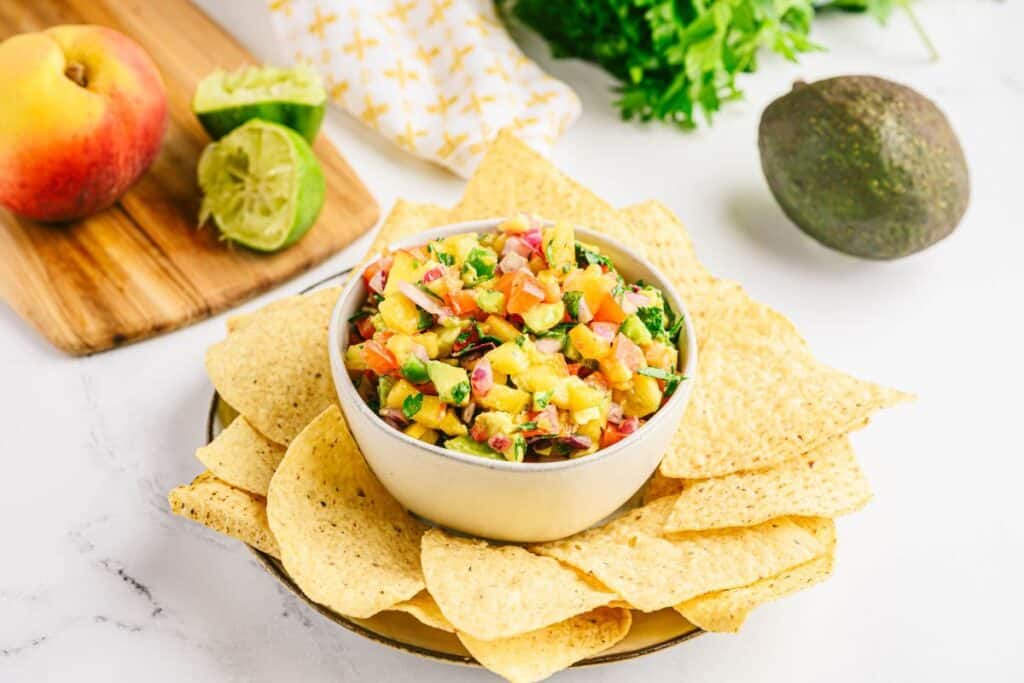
649, 633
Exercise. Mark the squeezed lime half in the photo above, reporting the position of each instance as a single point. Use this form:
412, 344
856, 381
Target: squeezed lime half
294, 97
262, 185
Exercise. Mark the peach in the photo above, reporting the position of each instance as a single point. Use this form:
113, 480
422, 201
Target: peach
83, 112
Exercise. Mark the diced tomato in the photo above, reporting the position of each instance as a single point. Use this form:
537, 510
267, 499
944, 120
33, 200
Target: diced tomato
365, 327
462, 302
379, 359
611, 435
478, 432
426, 388
524, 293
574, 368
610, 311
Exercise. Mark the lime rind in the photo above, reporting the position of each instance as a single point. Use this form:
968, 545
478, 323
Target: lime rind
262, 186
294, 97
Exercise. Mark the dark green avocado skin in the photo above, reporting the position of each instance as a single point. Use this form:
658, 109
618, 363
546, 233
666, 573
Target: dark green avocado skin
864, 165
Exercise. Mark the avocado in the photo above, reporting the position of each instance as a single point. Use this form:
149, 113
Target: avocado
864, 165
451, 382
414, 370
633, 328
465, 444
490, 300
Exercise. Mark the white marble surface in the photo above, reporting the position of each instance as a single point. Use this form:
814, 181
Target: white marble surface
99, 582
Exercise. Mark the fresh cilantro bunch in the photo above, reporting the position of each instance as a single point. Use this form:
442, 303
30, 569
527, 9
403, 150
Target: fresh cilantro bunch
675, 57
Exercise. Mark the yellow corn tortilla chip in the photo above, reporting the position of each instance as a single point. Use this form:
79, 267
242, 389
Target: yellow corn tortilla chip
425, 609
275, 370
825, 482
538, 654
491, 591
659, 486
512, 178
225, 509
344, 540
651, 571
761, 398
408, 218
242, 457
725, 611
240, 320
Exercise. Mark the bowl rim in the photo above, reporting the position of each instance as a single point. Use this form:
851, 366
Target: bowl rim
347, 394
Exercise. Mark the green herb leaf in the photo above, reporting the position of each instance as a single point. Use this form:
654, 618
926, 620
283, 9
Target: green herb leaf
526, 426
588, 257
411, 405
460, 392
572, 303
442, 256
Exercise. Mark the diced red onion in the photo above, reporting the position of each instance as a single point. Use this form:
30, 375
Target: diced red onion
433, 274
514, 245
533, 238
394, 415
548, 345
423, 300
615, 414
469, 411
377, 282
631, 355
499, 442
482, 377
629, 425
547, 418
638, 299
510, 262
584, 315
605, 330
420, 352
577, 441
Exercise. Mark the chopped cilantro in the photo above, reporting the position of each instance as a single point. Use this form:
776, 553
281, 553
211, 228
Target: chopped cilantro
411, 405
588, 257
442, 256
460, 392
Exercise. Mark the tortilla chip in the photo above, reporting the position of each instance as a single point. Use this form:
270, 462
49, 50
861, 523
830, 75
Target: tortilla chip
512, 178
240, 320
424, 607
491, 591
408, 218
659, 486
725, 611
826, 482
761, 398
226, 414
538, 654
631, 556
242, 457
275, 370
344, 540
225, 509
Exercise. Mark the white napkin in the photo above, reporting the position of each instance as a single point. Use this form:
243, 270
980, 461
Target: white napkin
440, 78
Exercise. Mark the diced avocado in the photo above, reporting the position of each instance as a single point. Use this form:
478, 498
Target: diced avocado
490, 300
451, 382
384, 386
479, 266
415, 370
464, 444
633, 328
542, 317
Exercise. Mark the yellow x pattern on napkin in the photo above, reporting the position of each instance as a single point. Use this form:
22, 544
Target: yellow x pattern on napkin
440, 78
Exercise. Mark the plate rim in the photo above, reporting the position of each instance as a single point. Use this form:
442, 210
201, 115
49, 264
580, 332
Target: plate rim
272, 567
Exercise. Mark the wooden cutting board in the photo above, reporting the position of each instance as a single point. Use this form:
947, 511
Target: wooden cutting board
142, 267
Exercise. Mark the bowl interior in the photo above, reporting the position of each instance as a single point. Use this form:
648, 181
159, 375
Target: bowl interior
633, 266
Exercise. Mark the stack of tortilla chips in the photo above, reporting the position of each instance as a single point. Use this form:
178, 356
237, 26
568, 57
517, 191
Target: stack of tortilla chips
740, 512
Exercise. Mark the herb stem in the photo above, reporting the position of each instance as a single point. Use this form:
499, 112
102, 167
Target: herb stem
919, 27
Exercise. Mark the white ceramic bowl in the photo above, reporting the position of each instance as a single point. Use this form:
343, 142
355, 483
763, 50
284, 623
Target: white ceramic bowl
509, 501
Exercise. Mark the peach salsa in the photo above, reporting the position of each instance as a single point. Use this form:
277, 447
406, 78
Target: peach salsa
523, 344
